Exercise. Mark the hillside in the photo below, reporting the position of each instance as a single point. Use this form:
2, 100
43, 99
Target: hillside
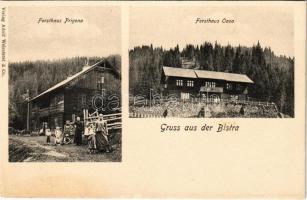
212, 110
273, 75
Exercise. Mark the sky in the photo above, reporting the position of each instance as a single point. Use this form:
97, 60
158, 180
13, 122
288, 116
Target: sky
98, 35
169, 26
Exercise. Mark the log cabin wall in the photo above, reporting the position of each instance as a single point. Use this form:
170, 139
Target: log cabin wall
87, 90
237, 90
49, 108
71, 98
173, 88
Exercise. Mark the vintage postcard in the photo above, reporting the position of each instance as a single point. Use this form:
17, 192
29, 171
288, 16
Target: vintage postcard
64, 84
153, 99
217, 65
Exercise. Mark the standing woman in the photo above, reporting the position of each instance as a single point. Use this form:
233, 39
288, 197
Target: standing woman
91, 138
102, 142
78, 131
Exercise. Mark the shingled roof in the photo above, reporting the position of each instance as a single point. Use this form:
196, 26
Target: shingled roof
193, 73
179, 72
70, 78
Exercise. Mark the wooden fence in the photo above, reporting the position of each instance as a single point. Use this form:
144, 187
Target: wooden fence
139, 100
114, 121
185, 109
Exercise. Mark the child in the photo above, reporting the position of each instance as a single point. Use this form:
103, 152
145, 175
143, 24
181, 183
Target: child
86, 131
91, 138
66, 136
58, 136
48, 134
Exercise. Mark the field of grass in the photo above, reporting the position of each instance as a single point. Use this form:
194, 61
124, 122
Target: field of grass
213, 110
34, 149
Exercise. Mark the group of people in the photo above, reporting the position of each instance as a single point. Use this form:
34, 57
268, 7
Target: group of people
96, 134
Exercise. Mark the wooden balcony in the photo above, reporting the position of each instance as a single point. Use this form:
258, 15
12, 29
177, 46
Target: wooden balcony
211, 89
51, 110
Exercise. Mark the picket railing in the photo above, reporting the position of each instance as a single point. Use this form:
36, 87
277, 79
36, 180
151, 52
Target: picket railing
185, 109
142, 101
114, 121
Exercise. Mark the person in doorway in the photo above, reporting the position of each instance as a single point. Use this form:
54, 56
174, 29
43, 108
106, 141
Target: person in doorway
79, 128
102, 142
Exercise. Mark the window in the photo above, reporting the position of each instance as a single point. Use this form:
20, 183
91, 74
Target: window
228, 86
210, 84
185, 96
53, 101
60, 99
100, 83
190, 83
239, 87
179, 82
82, 100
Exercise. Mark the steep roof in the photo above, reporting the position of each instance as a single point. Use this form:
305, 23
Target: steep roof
180, 72
193, 73
70, 78
233, 77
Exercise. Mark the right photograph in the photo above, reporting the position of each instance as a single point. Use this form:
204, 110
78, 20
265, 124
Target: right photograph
211, 62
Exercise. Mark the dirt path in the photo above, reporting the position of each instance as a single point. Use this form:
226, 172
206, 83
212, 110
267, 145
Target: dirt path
34, 149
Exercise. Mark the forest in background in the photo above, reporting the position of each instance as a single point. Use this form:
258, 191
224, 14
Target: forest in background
273, 75
38, 76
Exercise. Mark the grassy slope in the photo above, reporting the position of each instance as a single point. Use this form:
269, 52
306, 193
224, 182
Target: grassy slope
34, 149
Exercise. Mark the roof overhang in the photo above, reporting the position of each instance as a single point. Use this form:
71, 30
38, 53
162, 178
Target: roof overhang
71, 78
205, 74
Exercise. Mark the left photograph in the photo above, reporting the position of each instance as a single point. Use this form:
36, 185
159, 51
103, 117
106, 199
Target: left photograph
64, 84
